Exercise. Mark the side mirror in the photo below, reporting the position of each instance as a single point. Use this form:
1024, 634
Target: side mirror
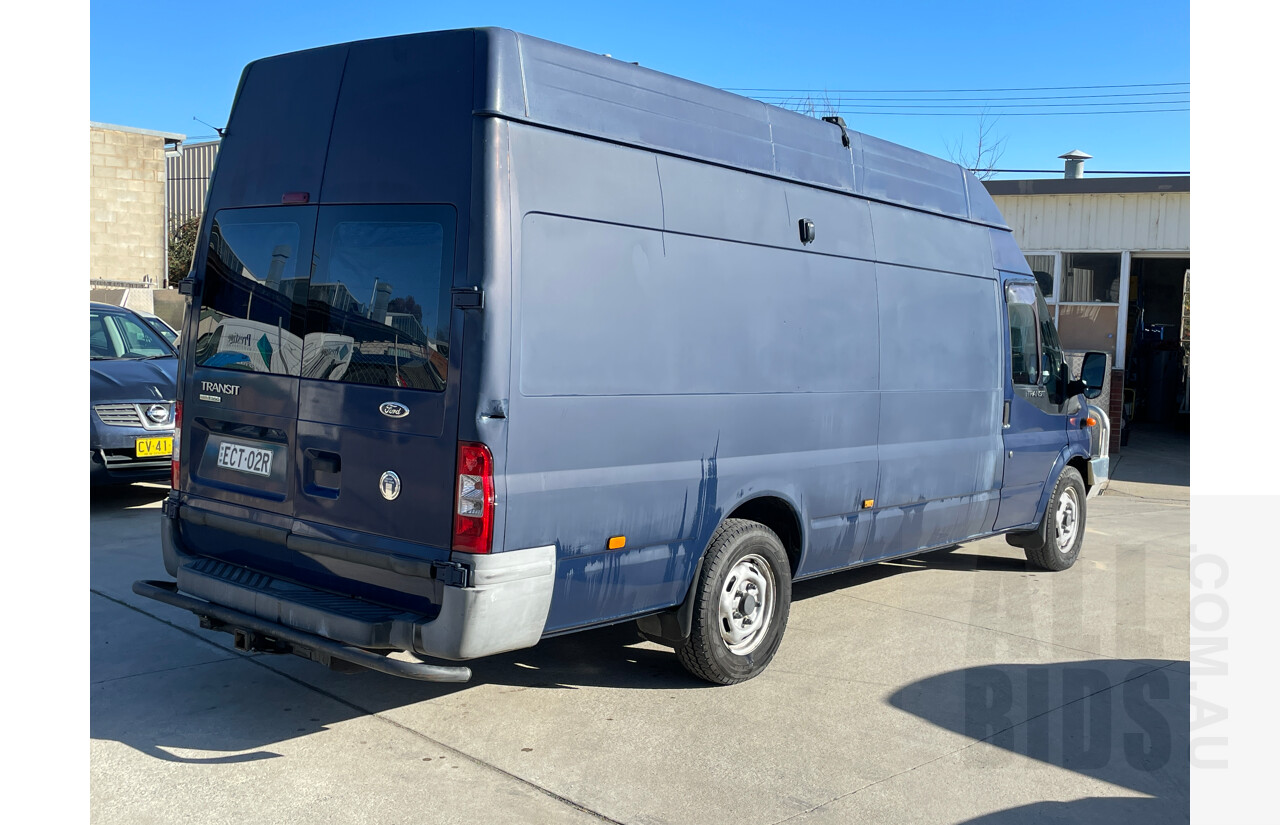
1093, 374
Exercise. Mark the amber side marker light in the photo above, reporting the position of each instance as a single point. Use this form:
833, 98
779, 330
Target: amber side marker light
1091, 422
617, 542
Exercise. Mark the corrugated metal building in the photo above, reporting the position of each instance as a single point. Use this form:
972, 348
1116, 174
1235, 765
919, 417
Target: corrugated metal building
1113, 257
187, 181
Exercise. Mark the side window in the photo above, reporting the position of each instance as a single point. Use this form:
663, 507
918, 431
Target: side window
1024, 334
139, 340
1053, 367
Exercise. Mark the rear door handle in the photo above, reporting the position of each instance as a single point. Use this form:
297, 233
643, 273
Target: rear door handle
323, 473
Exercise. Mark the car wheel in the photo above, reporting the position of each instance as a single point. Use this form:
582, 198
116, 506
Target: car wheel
1064, 528
741, 604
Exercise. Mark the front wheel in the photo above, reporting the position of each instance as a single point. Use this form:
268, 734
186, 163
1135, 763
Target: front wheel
740, 605
1064, 529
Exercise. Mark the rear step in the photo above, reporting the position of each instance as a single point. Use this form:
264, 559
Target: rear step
252, 633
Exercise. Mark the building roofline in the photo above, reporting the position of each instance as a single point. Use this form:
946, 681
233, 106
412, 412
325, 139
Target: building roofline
1088, 186
169, 137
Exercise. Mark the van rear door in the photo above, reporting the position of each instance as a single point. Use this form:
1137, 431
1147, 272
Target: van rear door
241, 405
377, 416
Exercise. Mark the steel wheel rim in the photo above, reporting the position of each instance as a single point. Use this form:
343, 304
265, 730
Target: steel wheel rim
747, 601
1066, 519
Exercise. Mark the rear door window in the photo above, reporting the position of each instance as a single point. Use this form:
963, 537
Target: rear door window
378, 302
357, 294
253, 303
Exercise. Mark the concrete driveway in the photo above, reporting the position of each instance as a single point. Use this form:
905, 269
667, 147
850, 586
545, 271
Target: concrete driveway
952, 687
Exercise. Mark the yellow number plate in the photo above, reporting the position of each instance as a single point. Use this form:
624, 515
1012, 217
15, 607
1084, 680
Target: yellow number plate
149, 447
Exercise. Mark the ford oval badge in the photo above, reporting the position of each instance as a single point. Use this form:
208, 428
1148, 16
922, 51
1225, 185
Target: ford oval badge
393, 410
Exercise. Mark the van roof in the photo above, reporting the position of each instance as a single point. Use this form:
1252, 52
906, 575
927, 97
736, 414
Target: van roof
561, 87
536, 81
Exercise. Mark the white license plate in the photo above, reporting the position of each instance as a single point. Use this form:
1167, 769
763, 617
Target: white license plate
244, 459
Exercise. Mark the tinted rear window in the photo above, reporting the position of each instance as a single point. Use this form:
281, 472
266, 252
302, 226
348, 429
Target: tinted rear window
372, 306
253, 303
378, 308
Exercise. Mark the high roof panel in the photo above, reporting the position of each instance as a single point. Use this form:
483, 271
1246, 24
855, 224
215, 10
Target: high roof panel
574, 90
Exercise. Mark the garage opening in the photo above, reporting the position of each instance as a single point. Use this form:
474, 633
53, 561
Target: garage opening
1158, 352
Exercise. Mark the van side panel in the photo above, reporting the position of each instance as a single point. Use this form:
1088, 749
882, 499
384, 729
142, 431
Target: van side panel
664, 377
941, 387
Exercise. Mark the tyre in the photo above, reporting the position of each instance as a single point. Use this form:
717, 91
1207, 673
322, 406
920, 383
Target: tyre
741, 603
1063, 530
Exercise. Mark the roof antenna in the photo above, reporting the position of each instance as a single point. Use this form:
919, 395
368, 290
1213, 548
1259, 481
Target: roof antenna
210, 125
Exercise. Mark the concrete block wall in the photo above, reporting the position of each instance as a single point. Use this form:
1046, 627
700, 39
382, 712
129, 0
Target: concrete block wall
126, 205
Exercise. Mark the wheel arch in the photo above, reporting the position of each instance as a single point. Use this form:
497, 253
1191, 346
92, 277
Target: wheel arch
770, 508
778, 514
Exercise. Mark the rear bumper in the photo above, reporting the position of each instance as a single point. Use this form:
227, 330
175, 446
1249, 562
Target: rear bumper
488, 603
253, 633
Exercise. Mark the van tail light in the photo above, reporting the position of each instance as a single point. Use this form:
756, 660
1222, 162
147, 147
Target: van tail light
473, 513
177, 444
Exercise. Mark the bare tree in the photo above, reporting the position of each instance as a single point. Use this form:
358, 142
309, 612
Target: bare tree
985, 156
812, 106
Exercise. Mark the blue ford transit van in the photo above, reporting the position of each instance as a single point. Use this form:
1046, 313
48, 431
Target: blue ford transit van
491, 340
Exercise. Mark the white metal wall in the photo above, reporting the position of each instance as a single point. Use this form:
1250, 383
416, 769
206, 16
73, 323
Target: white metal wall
187, 180
1138, 222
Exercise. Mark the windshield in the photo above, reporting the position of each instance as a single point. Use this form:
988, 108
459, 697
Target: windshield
165, 331
114, 335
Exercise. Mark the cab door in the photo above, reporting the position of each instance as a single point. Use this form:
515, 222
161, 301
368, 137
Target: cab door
1035, 406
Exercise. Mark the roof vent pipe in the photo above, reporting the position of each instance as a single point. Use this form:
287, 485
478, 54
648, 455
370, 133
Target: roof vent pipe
1074, 164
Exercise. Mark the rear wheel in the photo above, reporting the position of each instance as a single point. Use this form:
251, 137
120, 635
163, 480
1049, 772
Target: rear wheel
1064, 528
741, 604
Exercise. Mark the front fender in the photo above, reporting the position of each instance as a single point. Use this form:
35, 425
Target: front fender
1059, 464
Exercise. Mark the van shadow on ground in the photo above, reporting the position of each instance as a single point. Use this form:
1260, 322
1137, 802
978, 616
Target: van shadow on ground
1120, 722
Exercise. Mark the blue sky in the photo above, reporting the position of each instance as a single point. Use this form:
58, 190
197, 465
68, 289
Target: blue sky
157, 65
